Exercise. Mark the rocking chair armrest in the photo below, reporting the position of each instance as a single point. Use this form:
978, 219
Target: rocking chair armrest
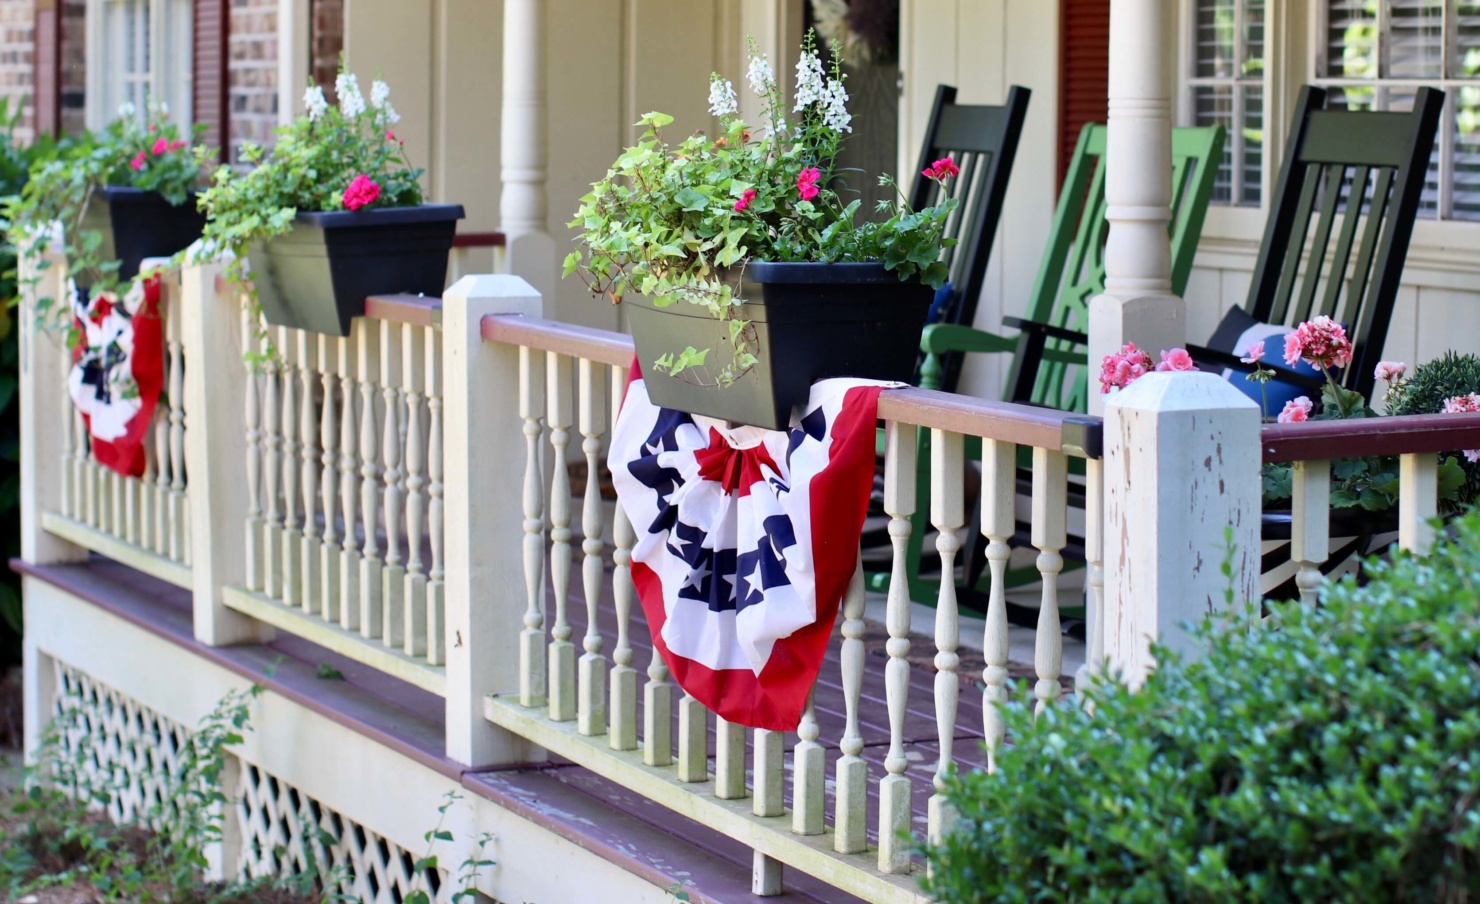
944, 338
1046, 330
1209, 356
1032, 351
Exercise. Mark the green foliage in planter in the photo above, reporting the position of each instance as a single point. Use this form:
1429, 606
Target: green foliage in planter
1432, 384
1335, 757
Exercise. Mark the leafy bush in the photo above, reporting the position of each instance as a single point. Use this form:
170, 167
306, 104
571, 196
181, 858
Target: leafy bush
1333, 758
1432, 384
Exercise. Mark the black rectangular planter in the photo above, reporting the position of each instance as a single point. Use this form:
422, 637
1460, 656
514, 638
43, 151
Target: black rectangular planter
317, 276
136, 224
811, 322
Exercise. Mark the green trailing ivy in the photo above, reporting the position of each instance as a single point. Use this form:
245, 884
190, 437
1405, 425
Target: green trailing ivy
678, 223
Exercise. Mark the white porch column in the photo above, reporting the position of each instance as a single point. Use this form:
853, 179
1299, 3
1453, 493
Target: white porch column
1138, 305
522, 207
1181, 466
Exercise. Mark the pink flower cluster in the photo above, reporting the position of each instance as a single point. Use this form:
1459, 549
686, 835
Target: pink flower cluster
744, 200
1254, 354
1130, 364
1320, 342
807, 182
361, 191
941, 170
1176, 360
161, 147
1390, 371
1296, 411
1465, 404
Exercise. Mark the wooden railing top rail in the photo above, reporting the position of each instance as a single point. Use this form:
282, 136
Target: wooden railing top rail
479, 240
417, 310
1408, 434
1043, 428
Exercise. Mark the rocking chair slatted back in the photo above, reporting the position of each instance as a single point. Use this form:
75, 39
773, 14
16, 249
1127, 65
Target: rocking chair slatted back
983, 140
1366, 170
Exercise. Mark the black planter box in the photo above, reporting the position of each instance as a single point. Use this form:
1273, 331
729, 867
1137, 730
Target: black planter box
811, 321
317, 276
136, 224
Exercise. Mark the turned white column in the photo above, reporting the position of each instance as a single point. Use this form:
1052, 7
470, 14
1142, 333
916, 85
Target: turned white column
530, 249
1181, 469
1138, 305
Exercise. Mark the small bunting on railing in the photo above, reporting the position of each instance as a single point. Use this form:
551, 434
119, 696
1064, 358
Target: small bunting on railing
118, 370
746, 541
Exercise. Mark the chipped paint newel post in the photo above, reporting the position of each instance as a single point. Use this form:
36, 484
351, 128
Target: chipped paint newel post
1182, 460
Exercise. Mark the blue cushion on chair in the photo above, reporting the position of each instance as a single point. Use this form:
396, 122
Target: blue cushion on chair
939, 305
1235, 335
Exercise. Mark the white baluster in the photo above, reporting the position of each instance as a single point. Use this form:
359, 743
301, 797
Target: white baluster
329, 594
161, 493
770, 773
253, 417
562, 691
147, 489
1094, 555
1049, 533
1418, 501
809, 768
80, 471
179, 505
70, 423
532, 683
896, 790
729, 760
591, 690
414, 588
947, 514
393, 578
436, 603
272, 447
851, 820
367, 337
309, 544
349, 489
999, 492
693, 731
623, 706
1310, 525
292, 531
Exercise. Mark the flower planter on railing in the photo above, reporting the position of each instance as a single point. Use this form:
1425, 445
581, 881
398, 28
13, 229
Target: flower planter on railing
136, 224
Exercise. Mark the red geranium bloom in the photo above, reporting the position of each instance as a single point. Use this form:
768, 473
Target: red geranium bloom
160, 146
137, 163
941, 170
361, 191
745, 198
807, 182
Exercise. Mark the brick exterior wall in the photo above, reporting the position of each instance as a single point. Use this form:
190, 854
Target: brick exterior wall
17, 59
252, 73
328, 43
74, 66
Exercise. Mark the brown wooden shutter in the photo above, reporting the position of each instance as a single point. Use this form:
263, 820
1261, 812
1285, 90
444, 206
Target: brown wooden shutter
47, 61
1084, 71
210, 85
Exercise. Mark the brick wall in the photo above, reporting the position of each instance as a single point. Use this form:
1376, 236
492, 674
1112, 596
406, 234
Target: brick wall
328, 42
74, 66
17, 57
252, 72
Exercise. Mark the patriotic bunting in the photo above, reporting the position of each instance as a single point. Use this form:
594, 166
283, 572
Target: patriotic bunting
118, 371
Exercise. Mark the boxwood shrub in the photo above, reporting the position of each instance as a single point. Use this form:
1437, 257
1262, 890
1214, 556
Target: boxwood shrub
1335, 757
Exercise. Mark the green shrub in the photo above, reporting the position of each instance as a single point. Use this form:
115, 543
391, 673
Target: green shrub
1334, 758
1425, 392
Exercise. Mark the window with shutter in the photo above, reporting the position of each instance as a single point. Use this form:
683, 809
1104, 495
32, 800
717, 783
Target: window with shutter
1226, 87
143, 51
1375, 54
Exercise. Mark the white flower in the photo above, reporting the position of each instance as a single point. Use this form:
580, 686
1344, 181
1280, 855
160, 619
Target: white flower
391, 116
351, 101
314, 102
810, 86
761, 77
164, 108
722, 101
126, 110
380, 93
835, 113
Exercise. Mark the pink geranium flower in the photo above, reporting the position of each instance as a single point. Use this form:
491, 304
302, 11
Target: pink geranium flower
1320, 342
1123, 368
1296, 411
807, 182
744, 200
1465, 404
1390, 371
361, 191
1176, 360
137, 163
177, 145
1254, 354
941, 170
160, 146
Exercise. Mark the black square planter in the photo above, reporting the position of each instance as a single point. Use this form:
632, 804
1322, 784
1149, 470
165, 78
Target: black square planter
317, 276
137, 224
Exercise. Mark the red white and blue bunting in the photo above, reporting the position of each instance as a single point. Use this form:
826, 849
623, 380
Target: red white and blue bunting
746, 542
118, 371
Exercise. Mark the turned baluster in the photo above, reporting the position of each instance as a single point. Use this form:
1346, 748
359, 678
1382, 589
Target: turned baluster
999, 493
292, 531
562, 692
1048, 535
393, 578
308, 452
850, 822
367, 337
947, 515
253, 419
179, 505
1310, 525
436, 601
591, 689
532, 685
896, 790
623, 706
349, 490
329, 594
414, 587
272, 447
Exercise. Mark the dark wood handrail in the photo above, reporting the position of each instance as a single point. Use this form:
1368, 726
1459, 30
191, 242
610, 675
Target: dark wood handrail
417, 310
479, 240
1414, 433
1043, 428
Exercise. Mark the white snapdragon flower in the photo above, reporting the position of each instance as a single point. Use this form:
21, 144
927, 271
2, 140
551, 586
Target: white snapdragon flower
810, 86
380, 94
722, 100
127, 110
314, 103
835, 113
761, 77
391, 116
351, 101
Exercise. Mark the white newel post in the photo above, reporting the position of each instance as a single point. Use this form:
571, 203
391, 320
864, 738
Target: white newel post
522, 207
1181, 466
484, 535
1138, 305
212, 329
